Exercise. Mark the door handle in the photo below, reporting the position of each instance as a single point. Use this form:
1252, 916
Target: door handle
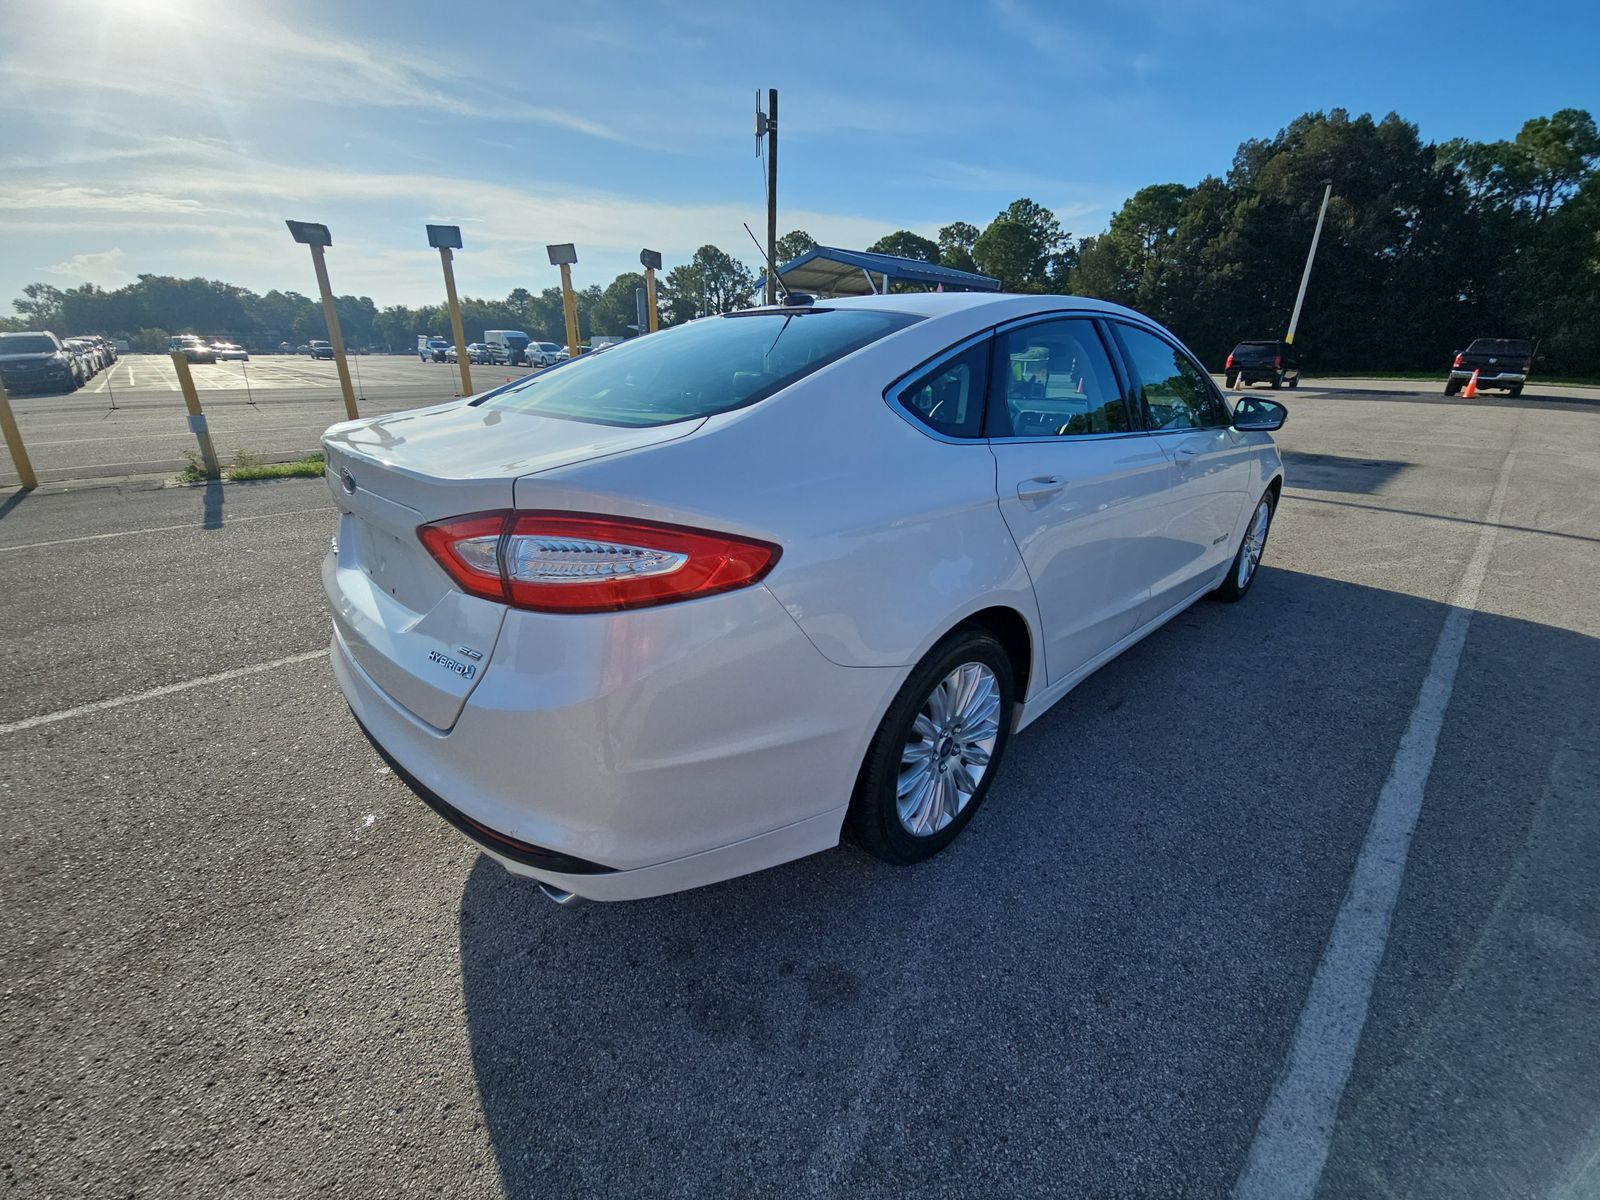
1040, 486
1187, 452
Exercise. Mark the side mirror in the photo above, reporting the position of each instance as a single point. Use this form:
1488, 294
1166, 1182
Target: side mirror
1255, 415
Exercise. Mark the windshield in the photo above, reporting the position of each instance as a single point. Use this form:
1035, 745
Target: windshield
550, 347
26, 343
705, 367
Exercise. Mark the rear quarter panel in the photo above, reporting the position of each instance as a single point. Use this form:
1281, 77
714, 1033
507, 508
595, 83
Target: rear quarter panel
890, 537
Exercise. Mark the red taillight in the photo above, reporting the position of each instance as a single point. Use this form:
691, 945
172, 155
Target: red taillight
1457, 362
578, 562
1229, 364
1277, 360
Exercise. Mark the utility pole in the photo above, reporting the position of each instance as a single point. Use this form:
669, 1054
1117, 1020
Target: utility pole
563, 256
445, 239
1305, 278
768, 124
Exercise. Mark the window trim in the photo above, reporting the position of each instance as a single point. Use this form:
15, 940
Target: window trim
893, 392
1088, 316
1143, 407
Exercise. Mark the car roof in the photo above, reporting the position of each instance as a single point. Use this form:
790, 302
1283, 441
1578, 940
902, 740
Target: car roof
1004, 304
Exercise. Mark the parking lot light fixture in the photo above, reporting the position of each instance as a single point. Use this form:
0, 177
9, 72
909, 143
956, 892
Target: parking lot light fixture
563, 255
308, 233
447, 239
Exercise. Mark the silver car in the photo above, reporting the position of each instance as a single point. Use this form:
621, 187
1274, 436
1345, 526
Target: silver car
710, 600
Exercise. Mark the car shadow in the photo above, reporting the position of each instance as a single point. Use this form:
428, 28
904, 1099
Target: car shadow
1092, 990
1336, 473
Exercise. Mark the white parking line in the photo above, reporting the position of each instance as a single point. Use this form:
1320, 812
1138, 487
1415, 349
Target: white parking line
1291, 1142
100, 537
66, 714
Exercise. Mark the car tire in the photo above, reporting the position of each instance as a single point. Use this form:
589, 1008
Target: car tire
1275, 382
1294, 383
969, 658
1237, 582
1452, 386
1230, 378
1515, 391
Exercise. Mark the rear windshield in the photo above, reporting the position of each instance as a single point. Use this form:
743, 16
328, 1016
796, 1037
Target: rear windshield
1510, 347
26, 343
696, 370
1255, 350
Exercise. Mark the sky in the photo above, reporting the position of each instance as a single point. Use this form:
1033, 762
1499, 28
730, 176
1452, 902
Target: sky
175, 136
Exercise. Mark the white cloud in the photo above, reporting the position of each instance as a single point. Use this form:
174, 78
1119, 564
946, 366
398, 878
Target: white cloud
103, 267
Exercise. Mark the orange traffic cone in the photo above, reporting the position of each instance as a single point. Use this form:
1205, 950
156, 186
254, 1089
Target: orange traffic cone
1471, 390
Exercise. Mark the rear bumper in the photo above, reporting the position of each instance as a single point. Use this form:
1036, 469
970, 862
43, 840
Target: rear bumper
618, 756
1491, 380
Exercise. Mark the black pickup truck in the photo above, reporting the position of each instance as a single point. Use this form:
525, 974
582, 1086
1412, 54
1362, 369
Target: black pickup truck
1262, 362
1499, 362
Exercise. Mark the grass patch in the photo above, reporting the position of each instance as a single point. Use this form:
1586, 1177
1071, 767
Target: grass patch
247, 466
310, 467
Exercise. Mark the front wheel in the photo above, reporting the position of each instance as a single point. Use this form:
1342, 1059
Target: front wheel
1242, 571
930, 764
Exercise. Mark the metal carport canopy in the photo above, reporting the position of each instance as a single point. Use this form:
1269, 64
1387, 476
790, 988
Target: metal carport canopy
829, 271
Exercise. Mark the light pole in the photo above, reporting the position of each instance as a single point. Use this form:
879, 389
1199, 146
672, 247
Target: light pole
650, 260
447, 238
1305, 278
318, 237
563, 256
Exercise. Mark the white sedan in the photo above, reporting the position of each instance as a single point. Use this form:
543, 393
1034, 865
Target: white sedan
704, 603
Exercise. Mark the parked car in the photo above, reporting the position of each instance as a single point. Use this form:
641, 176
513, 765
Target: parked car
543, 354
718, 595
321, 350
85, 360
512, 343
94, 353
431, 348
228, 352
109, 349
37, 362
193, 348
1273, 362
1500, 362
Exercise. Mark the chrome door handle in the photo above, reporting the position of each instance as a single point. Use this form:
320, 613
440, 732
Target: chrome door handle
1040, 486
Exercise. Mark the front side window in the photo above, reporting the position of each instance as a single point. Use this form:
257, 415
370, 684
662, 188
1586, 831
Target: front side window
949, 398
697, 370
1056, 381
1177, 395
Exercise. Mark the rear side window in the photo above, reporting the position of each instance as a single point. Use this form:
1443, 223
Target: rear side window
949, 398
1177, 394
699, 369
1056, 381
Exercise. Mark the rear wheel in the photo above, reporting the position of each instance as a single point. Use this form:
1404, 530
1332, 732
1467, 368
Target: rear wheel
1230, 378
1294, 383
930, 764
1452, 386
1516, 390
1276, 382
1242, 572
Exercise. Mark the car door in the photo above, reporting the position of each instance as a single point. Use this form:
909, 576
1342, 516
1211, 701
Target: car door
1212, 465
1080, 488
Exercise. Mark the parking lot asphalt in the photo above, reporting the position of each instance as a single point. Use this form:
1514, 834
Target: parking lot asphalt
130, 419
241, 959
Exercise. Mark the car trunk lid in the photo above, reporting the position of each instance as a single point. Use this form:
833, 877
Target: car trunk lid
421, 640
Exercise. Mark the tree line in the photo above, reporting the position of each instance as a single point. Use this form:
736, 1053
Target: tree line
1426, 246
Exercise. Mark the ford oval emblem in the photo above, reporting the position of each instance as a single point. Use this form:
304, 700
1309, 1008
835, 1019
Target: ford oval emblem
348, 480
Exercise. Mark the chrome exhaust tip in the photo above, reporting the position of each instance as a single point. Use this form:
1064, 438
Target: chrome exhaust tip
556, 895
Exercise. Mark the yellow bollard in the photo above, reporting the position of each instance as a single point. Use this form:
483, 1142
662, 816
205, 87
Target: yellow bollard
197, 419
19, 452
